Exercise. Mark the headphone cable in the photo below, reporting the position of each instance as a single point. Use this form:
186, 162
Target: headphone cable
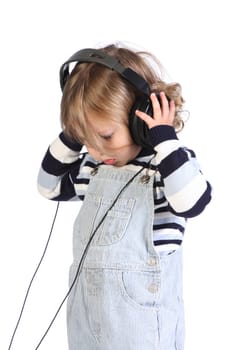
33, 277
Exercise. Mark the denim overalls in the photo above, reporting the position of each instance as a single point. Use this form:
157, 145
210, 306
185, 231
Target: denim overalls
128, 297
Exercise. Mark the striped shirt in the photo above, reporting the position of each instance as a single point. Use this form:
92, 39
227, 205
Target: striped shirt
180, 189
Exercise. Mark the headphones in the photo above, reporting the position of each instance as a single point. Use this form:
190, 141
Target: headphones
138, 128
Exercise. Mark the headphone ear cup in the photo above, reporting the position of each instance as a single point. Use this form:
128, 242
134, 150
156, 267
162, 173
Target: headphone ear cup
64, 75
138, 129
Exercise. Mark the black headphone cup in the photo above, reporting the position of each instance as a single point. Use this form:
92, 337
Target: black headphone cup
64, 75
138, 129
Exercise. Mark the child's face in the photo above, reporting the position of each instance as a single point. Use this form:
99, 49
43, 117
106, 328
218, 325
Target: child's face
115, 145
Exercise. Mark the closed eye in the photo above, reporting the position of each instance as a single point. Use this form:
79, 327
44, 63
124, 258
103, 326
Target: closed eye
106, 137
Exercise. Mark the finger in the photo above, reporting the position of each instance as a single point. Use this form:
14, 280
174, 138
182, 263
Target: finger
172, 106
146, 118
164, 103
155, 104
172, 110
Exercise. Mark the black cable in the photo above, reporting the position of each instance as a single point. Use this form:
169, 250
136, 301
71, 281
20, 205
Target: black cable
33, 277
84, 256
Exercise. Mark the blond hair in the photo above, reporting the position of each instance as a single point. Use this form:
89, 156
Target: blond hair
93, 87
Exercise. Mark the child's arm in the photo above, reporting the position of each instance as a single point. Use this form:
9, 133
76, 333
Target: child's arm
61, 161
185, 187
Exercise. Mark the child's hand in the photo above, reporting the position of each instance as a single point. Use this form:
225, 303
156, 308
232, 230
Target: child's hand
163, 115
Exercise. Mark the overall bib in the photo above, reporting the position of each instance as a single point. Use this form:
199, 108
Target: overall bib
127, 296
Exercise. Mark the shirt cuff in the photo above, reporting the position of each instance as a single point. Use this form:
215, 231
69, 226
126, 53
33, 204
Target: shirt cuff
74, 146
161, 133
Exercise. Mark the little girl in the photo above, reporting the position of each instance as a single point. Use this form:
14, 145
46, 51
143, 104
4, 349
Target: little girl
139, 185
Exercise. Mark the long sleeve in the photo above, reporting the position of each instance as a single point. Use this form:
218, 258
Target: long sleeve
185, 187
61, 160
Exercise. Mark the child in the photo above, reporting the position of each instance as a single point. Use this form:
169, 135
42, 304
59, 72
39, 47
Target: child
139, 185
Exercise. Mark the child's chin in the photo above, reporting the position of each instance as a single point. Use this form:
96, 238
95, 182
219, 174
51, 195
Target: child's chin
119, 164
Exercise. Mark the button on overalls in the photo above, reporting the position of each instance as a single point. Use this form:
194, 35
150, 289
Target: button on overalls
128, 297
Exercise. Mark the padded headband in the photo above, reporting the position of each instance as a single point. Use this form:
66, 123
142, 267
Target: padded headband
98, 56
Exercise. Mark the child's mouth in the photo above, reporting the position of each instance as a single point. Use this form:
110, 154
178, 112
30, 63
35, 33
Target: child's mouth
111, 161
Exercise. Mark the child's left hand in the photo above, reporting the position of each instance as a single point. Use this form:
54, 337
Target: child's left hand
163, 115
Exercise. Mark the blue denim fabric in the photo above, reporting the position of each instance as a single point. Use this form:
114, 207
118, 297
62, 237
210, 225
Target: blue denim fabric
128, 296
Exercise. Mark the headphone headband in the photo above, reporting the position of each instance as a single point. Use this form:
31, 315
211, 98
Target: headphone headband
98, 56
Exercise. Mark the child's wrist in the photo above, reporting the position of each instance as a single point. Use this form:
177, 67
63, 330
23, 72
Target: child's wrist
161, 133
73, 145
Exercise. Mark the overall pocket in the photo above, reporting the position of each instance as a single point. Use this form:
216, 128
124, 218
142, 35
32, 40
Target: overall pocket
140, 289
114, 225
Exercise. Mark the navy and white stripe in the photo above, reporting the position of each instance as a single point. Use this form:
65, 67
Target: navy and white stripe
180, 189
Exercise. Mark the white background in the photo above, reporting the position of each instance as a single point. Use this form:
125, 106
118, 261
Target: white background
193, 40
